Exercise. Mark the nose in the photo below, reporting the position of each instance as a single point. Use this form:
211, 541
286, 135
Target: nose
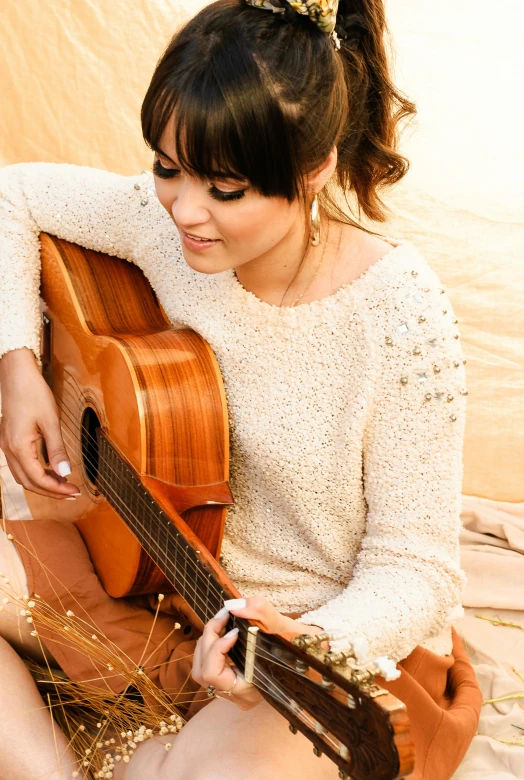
188, 208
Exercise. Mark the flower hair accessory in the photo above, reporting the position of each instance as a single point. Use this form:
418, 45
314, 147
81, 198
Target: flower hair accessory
323, 13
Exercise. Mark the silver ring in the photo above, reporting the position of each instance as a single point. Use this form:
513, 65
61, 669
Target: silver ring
211, 691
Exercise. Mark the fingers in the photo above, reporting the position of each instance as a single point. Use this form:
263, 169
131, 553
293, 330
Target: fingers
260, 609
212, 631
28, 471
212, 667
215, 670
56, 451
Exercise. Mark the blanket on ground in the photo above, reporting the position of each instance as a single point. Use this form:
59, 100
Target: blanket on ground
492, 554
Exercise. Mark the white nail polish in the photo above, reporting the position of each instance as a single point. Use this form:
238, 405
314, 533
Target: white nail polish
63, 468
76, 494
221, 613
234, 604
230, 633
70, 498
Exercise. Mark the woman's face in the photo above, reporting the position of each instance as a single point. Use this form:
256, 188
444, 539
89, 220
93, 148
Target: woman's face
235, 224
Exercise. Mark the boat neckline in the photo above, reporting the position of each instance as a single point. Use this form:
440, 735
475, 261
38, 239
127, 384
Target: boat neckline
396, 244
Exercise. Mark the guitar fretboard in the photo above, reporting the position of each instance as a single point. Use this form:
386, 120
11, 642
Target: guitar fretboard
157, 534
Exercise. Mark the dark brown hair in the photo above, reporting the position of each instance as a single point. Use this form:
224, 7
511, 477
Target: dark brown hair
266, 97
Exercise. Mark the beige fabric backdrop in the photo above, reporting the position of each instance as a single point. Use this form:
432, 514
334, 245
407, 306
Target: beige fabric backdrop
72, 75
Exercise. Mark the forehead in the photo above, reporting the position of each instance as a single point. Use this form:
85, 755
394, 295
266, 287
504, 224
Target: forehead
167, 143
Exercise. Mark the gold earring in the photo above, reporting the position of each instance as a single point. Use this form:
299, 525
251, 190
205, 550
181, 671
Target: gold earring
315, 222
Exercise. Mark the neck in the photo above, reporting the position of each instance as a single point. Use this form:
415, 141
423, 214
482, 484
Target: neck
280, 275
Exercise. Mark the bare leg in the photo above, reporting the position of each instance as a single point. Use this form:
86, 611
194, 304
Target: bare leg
13, 627
31, 745
222, 742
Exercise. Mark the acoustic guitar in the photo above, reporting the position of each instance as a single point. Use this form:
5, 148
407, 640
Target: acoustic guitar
144, 418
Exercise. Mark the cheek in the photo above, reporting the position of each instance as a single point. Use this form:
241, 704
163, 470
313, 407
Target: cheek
165, 194
261, 224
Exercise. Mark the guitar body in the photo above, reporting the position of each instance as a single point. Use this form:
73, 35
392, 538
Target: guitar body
113, 360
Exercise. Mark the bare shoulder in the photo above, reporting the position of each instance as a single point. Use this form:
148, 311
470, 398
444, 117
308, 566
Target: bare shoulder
358, 251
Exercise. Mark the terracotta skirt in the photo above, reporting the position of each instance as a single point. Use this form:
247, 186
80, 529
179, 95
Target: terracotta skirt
441, 693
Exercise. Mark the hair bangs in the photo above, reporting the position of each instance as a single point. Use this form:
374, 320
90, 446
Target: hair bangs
227, 120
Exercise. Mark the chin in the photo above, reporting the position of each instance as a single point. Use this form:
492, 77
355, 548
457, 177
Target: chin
203, 265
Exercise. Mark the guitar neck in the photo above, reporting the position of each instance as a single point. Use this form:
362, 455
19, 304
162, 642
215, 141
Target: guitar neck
173, 553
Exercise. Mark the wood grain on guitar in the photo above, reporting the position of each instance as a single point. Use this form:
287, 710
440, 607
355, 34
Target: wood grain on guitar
144, 419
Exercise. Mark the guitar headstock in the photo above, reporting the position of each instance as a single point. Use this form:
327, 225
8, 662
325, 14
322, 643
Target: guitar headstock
333, 699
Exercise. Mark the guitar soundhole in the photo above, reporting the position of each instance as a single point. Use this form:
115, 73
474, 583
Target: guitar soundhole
90, 424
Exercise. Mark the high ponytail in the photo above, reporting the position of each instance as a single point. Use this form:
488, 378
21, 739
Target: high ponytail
367, 148
266, 96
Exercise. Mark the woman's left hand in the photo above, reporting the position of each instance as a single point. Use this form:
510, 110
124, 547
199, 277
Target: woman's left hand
211, 666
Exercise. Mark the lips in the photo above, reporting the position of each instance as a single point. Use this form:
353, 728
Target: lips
198, 242
199, 238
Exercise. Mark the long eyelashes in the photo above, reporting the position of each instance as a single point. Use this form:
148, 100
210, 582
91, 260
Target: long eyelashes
170, 173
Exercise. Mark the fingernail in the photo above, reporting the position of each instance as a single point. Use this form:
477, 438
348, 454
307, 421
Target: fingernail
234, 604
70, 498
64, 469
230, 633
222, 612
76, 494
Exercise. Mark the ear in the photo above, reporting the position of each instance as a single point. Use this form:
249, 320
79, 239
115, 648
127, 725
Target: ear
318, 178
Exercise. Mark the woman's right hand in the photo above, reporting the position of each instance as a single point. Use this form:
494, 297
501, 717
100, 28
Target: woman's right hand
29, 413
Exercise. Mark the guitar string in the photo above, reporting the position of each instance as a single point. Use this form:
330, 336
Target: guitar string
198, 597
243, 630
76, 439
287, 702
153, 541
203, 601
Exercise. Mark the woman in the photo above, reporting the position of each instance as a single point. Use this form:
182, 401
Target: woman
340, 357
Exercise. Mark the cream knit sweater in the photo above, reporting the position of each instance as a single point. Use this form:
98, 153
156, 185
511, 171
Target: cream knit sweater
346, 414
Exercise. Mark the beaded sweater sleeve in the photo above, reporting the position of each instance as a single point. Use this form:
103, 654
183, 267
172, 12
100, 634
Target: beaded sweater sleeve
96, 209
407, 582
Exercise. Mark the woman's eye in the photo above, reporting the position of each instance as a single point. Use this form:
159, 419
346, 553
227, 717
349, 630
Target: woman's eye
221, 195
162, 172
225, 196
